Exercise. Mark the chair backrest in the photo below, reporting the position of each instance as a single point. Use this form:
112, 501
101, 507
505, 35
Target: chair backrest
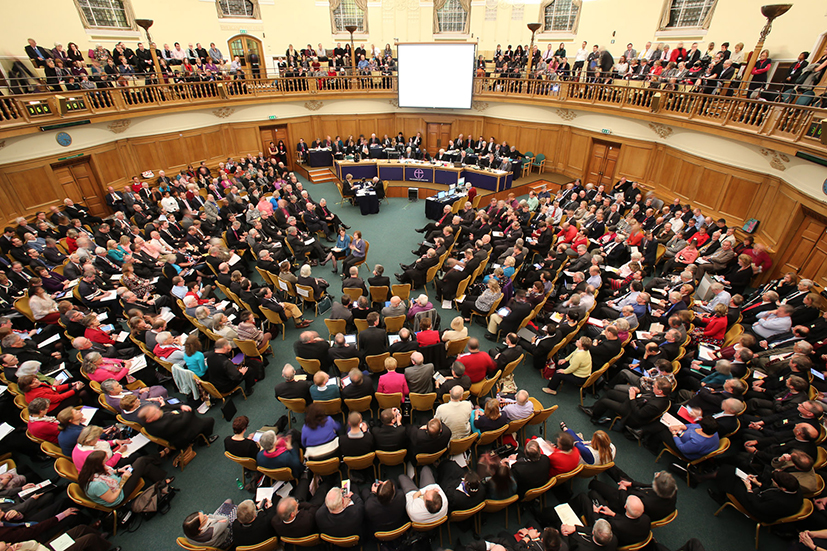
248, 348
495, 505
403, 359
376, 363
246, 462
456, 347
346, 364
359, 462
402, 291
22, 306
335, 326
353, 292
637, 546
66, 469
511, 366
309, 366
541, 413
389, 400
422, 402
489, 436
358, 404
330, 407
394, 323
267, 545
349, 541
324, 468
461, 445
391, 458
185, 544
514, 426
429, 458
378, 293
360, 324
305, 292
392, 534
296, 405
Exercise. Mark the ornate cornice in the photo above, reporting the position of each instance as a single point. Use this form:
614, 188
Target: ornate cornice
661, 129
777, 160
223, 112
119, 127
566, 114
313, 105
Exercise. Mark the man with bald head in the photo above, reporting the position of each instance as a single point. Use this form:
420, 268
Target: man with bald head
291, 388
630, 526
419, 375
456, 414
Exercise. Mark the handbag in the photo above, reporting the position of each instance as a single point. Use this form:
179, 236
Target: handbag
325, 304
228, 410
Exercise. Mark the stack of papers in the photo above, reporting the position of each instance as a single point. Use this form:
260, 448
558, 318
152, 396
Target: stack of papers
138, 363
138, 442
88, 413
567, 515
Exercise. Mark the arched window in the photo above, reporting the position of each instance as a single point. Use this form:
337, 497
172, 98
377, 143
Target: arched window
105, 13
347, 12
687, 13
451, 16
237, 8
560, 15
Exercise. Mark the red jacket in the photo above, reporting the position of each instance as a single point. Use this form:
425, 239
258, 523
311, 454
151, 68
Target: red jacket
477, 365
55, 394
562, 462
98, 336
45, 430
715, 327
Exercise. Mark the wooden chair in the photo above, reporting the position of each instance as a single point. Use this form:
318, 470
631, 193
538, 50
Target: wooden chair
456, 347
22, 306
359, 404
284, 474
293, 405
394, 323
360, 324
422, 402
387, 401
212, 391
307, 541
535, 493
389, 459
428, 526
52, 450
247, 463
484, 387
391, 535
589, 383
541, 414
267, 545
331, 407
402, 291
497, 505
378, 294
184, 543
66, 469
350, 541
324, 468
335, 327
589, 471
307, 295
360, 462
265, 275
459, 516
286, 287
462, 445
511, 366
345, 365
423, 459
376, 363
723, 445
353, 292
311, 367
488, 437
666, 520
403, 359
77, 495
639, 545
250, 349
359, 263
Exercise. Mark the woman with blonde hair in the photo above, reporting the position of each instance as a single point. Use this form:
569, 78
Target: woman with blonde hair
456, 332
483, 302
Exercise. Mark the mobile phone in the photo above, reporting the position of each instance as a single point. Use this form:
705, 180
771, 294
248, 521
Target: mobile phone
173, 401
129, 468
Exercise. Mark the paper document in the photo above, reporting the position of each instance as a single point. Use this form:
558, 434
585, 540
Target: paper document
567, 515
138, 363
656, 328
116, 277
5, 430
670, 420
741, 474
706, 352
62, 542
87, 413
122, 336
50, 340
446, 304
557, 317
265, 493
25, 493
138, 442
595, 321
234, 260
109, 295
167, 316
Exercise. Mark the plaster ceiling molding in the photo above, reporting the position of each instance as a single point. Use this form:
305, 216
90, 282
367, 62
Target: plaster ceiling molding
313, 105
223, 112
566, 114
394, 102
2, 144
119, 127
661, 129
777, 160
479, 105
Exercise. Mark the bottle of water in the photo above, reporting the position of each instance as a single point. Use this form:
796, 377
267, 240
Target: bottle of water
239, 483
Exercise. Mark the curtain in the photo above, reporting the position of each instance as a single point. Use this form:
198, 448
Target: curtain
664, 15
466, 5
546, 3
362, 5
576, 22
708, 19
438, 5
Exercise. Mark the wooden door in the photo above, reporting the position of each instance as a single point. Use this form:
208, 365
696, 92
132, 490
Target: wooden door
437, 136
243, 46
274, 134
80, 185
807, 253
602, 163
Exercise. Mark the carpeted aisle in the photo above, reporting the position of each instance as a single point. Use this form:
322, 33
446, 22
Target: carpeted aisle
211, 477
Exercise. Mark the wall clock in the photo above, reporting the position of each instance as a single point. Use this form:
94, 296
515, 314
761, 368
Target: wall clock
64, 139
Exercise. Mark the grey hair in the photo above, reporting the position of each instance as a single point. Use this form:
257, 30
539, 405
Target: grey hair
664, 484
602, 531
108, 385
267, 440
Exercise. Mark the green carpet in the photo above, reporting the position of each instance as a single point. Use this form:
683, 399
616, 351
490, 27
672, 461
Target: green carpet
211, 477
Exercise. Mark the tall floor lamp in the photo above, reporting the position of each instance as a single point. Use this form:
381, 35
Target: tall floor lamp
352, 29
533, 28
771, 12
145, 24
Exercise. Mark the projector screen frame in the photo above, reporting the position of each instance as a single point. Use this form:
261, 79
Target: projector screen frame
472, 70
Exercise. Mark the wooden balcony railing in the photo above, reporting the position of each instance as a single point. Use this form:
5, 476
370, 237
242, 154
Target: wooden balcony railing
790, 123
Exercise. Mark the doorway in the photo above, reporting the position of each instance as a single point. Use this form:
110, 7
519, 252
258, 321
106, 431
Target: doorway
602, 163
274, 134
807, 253
245, 47
437, 135
80, 185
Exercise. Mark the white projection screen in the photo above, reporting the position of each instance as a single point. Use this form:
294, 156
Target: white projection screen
437, 76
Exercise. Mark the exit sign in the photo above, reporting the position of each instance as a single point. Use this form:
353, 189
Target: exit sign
272, 117
242, 31
606, 131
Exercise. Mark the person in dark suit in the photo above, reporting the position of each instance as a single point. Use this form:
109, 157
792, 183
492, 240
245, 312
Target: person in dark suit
767, 498
630, 525
373, 340
252, 527
356, 440
341, 350
354, 281
311, 346
659, 498
37, 54
296, 516
291, 388
446, 287
341, 515
636, 408
301, 149
531, 470
605, 348
361, 385
457, 378
463, 488
380, 280
224, 374
590, 538
518, 307
391, 435
415, 275
384, 506
429, 438
511, 352
179, 426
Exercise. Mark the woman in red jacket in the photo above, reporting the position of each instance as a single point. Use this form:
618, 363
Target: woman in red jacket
95, 333
41, 425
59, 396
427, 336
711, 329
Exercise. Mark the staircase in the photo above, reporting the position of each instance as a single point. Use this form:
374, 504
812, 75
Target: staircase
319, 175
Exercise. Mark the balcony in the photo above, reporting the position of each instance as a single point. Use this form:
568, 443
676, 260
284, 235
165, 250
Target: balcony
789, 127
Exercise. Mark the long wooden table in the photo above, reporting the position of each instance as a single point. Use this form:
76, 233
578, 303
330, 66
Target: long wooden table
491, 180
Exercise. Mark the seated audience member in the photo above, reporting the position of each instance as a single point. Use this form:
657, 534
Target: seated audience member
210, 530
478, 365
426, 336
457, 377
392, 381
108, 487
488, 419
322, 388
530, 468
598, 451
113, 392
238, 444
358, 440
292, 388
277, 452
419, 375
630, 526
320, 438
575, 368
390, 435
385, 506
341, 515
41, 425
456, 414
427, 503
253, 526
180, 426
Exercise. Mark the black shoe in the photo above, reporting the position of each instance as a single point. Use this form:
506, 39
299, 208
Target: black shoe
421, 230
490, 336
162, 378
588, 411
398, 276
415, 253
249, 392
345, 226
212, 438
602, 421
637, 433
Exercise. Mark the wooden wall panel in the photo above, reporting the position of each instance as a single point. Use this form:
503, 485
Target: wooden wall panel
737, 198
195, 148
110, 167
668, 170
34, 188
172, 153
686, 183
713, 186
147, 157
302, 128
246, 140
783, 207
215, 145
548, 144
579, 151
634, 162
